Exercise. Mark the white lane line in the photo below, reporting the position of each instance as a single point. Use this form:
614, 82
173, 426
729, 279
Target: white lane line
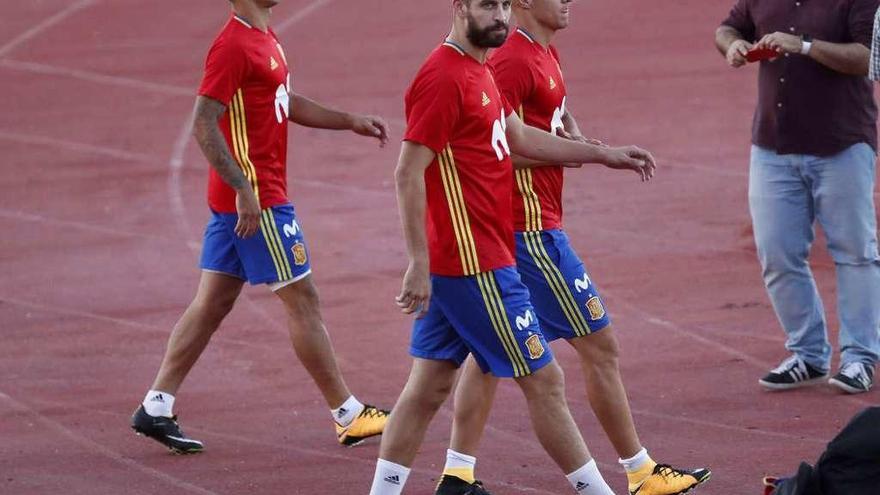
97, 448
44, 25
164, 331
33, 217
95, 77
77, 146
300, 15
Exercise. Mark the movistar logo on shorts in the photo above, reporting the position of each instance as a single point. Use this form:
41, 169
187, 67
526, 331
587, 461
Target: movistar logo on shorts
582, 284
525, 321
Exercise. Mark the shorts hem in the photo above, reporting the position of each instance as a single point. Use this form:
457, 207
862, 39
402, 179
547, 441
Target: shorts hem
552, 337
278, 285
222, 272
437, 356
533, 367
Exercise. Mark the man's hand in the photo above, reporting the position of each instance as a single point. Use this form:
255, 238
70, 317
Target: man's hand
415, 295
632, 158
248, 209
736, 53
371, 126
781, 42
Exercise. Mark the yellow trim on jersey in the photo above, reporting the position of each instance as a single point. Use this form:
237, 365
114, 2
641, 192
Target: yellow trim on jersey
501, 324
531, 202
240, 148
556, 282
238, 131
461, 223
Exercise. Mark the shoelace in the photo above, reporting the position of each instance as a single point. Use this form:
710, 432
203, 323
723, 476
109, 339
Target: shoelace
789, 363
373, 412
668, 471
853, 370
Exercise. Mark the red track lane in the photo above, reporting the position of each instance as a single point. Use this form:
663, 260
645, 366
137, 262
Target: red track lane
102, 206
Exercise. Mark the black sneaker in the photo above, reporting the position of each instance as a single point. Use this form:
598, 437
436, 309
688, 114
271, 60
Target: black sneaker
854, 378
165, 431
792, 373
453, 485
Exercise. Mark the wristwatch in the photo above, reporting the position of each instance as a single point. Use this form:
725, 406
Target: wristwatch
806, 44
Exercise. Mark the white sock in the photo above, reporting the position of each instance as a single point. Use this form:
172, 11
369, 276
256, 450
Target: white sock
158, 403
635, 462
346, 413
460, 465
389, 478
588, 481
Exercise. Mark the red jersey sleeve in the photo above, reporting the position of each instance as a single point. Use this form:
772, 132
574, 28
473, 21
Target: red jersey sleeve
225, 69
515, 81
433, 106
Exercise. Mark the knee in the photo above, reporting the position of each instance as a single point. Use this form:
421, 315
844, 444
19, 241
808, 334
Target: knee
602, 354
301, 299
429, 399
854, 252
546, 384
215, 308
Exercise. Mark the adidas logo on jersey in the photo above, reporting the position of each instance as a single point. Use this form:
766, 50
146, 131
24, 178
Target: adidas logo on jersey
581, 486
486, 99
552, 83
273, 64
394, 479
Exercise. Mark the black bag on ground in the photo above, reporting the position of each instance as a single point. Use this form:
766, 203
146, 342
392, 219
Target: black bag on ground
850, 464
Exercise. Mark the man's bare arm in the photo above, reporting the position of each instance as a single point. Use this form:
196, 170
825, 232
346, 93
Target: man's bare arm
411, 201
542, 146
206, 130
307, 112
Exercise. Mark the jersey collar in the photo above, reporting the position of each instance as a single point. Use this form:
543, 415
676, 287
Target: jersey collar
242, 20
525, 34
455, 46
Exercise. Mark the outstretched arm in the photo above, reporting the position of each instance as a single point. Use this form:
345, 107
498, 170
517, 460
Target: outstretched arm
309, 113
538, 145
206, 129
572, 131
410, 180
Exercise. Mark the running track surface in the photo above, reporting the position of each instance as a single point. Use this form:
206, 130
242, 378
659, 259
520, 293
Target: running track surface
102, 206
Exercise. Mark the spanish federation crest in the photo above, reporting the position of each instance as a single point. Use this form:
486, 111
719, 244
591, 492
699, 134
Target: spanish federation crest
299, 254
594, 305
536, 349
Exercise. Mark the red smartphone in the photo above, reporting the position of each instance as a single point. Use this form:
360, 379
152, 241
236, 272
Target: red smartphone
758, 54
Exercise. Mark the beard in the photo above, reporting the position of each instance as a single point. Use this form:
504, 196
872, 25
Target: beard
489, 37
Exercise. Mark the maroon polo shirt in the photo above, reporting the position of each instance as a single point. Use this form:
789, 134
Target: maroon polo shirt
803, 106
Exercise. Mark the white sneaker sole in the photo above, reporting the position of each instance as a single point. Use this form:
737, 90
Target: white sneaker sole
790, 386
846, 388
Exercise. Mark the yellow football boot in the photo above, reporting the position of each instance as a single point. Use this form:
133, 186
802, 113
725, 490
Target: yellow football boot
369, 423
667, 480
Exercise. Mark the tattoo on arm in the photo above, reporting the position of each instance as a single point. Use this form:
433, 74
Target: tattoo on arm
206, 130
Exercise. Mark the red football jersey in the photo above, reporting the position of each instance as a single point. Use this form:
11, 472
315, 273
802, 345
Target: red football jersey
454, 108
246, 70
530, 79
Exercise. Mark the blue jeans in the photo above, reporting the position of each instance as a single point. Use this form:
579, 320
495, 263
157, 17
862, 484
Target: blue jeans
787, 193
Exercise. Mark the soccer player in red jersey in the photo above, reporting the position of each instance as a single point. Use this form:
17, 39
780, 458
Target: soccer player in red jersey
566, 301
244, 103
454, 179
